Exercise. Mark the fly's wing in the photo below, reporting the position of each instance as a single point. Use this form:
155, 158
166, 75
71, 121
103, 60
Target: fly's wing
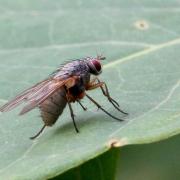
22, 96
35, 95
41, 95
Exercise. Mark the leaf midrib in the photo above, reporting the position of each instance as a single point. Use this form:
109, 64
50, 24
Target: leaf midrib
143, 52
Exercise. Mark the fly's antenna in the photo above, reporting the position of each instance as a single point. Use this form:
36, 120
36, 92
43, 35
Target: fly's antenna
100, 57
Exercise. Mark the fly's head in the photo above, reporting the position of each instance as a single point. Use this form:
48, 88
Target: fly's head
94, 64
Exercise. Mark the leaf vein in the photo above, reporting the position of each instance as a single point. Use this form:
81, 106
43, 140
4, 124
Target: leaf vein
143, 52
151, 110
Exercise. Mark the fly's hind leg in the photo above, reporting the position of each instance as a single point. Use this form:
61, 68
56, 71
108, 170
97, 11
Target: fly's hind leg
41, 130
105, 91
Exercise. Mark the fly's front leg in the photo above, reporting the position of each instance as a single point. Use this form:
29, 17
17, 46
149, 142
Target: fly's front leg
111, 100
105, 92
100, 107
92, 85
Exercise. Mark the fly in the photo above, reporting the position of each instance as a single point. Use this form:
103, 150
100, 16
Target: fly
68, 84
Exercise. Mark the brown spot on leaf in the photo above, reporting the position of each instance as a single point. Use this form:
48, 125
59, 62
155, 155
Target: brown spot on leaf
117, 142
141, 25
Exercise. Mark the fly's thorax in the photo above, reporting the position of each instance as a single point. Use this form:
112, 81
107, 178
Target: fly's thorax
82, 68
73, 68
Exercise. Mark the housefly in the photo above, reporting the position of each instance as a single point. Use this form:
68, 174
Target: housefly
68, 84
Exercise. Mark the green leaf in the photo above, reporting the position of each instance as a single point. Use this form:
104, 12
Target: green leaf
141, 42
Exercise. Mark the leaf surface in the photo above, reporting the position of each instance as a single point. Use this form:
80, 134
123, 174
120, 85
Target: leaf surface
141, 42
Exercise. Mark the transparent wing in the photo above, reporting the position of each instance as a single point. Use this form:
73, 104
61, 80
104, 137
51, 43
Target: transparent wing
34, 95
40, 96
22, 96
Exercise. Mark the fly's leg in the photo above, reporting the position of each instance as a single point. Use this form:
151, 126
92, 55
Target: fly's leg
105, 92
41, 130
99, 106
72, 115
84, 108
110, 99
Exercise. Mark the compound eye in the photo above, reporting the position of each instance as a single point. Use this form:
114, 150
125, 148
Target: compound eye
97, 65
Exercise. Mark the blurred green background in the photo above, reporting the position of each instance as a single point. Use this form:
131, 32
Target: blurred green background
155, 161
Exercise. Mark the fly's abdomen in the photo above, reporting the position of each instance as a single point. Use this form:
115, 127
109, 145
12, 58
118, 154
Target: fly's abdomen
53, 107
